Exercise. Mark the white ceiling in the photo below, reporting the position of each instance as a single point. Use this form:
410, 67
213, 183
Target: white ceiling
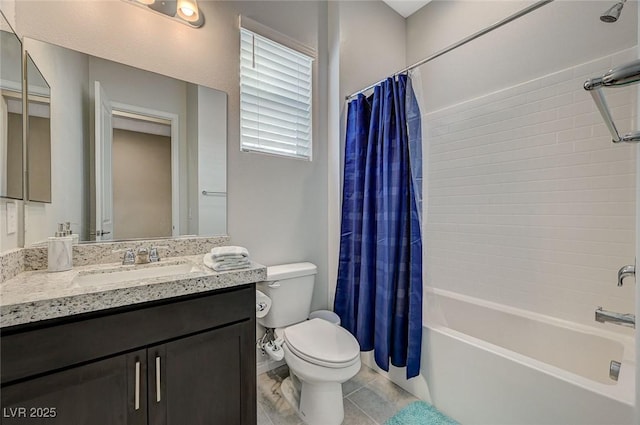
406, 7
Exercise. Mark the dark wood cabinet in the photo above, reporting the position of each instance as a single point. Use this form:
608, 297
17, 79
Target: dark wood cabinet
100, 392
186, 361
199, 381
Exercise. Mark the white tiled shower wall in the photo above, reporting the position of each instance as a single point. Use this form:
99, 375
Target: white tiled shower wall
527, 201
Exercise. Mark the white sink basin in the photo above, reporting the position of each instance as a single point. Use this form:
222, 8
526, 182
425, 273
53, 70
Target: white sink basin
129, 273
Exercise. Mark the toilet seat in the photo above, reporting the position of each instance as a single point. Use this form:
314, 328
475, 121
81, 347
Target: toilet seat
322, 343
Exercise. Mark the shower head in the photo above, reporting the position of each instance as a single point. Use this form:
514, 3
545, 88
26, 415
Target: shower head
613, 13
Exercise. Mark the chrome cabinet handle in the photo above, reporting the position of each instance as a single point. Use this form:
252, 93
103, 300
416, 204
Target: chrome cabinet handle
136, 399
274, 284
158, 379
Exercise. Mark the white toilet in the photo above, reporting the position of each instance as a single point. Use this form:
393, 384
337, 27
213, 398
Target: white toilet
321, 355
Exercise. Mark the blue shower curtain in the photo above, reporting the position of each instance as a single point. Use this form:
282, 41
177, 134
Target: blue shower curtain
379, 290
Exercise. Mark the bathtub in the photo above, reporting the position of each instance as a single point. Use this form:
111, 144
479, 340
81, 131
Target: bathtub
485, 363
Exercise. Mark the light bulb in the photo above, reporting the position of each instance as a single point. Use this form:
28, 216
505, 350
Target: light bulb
188, 10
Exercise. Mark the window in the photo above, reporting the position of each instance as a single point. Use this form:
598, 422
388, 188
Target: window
275, 98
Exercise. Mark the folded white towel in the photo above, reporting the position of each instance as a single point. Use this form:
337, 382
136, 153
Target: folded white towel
222, 266
229, 258
226, 264
226, 260
228, 251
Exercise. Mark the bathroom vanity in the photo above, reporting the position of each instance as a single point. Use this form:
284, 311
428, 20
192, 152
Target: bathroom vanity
174, 349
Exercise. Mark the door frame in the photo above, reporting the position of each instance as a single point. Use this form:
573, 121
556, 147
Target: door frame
103, 119
175, 154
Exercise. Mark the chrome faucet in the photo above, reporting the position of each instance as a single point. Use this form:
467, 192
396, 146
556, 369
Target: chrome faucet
626, 271
141, 255
604, 316
154, 257
129, 257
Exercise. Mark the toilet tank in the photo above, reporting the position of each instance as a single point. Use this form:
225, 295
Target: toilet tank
290, 287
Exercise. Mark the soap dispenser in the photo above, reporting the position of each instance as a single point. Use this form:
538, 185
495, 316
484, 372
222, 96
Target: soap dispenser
68, 232
60, 251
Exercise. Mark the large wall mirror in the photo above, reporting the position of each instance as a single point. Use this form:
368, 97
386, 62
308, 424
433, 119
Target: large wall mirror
134, 154
11, 145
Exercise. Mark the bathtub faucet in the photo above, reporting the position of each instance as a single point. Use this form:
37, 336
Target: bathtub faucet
604, 316
626, 271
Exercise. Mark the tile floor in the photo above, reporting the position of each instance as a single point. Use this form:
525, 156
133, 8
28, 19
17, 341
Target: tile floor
369, 399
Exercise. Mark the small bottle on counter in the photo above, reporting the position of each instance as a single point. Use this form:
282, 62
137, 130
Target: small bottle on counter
68, 232
60, 251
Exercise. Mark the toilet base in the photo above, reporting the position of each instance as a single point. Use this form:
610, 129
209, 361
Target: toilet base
315, 403
289, 392
321, 403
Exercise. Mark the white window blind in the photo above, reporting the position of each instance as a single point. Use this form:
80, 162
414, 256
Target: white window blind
275, 98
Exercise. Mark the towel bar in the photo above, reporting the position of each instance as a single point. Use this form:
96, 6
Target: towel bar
210, 193
620, 76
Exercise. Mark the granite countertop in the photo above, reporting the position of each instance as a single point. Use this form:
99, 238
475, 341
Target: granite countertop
38, 295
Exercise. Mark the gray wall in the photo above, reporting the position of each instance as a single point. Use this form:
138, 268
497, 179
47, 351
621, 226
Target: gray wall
367, 43
67, 73
277, 207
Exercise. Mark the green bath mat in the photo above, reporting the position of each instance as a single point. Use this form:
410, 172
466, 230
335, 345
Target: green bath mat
420, 413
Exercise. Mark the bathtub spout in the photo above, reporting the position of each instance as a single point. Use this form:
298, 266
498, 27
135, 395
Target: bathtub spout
604, 316
626, 271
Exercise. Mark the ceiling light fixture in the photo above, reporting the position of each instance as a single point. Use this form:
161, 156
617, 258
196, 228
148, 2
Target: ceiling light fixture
188, 10
183, 11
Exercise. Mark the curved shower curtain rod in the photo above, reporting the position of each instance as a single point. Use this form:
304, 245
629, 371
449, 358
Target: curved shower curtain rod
462, 42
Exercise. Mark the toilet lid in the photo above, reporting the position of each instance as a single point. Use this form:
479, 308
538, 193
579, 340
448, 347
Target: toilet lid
322, 343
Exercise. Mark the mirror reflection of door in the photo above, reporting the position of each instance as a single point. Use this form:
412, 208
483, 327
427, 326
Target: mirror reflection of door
103, 168
141, 176
134, 180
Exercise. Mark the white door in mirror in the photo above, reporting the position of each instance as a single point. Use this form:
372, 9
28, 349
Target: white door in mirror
103, 149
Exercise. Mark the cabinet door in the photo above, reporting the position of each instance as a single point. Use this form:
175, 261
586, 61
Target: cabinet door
110, 391
205, 379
